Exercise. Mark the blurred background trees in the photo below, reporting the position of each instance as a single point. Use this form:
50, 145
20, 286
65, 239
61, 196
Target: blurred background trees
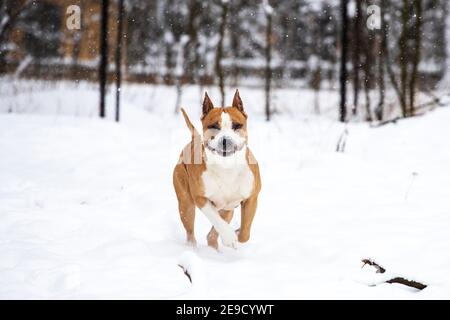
229, 43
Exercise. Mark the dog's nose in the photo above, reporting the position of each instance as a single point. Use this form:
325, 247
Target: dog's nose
226, 143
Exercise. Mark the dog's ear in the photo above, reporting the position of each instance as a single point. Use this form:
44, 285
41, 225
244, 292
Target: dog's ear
237, 103
207, 105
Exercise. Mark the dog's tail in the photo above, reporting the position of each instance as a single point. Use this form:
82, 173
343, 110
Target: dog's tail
191, 127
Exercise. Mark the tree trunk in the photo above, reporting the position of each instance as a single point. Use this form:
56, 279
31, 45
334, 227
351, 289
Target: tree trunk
180, 69
187, 68
219, 54
178, 96
357, 29
268, 62
416, 57
343, 70
387, 60
235, 40
403, 57
315, 84
380, 79
381, 44
367, 45
119, 57
103, 55
169, 45
192, 65
76, 38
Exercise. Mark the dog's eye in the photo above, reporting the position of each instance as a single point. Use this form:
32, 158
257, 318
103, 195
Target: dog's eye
236, 126
215, 125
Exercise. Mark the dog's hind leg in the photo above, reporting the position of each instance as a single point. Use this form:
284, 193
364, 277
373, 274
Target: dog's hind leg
213, 235
187, 215
186, 205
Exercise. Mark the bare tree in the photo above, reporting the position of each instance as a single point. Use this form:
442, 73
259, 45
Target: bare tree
235, 39
191, 52
367, 79
103, 56
120, 13
379, 110
219, 54
76, 40
169, 40
180, 69
403, 58
367, 45
268, 10
343, 70
416, 54
380, 40
315, 82
188, 57
406, 87
357, 30
387, 60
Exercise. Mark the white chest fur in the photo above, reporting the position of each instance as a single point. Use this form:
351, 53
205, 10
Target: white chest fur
227, 181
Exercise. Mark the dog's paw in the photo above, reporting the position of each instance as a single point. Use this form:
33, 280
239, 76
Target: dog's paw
191, 241
229, 238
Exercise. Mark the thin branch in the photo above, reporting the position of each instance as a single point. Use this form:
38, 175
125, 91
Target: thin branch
372, 263
385, 122
186, 273
394, 120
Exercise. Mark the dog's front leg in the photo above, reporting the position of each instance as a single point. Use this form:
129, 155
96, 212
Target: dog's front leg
213, 235
229, 237
248, 210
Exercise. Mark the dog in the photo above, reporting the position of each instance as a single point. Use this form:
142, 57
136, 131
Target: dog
216, 173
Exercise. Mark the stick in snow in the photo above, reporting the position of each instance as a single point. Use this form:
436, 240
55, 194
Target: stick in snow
186, 273
379, 268
400, 280
340, 147
409, 283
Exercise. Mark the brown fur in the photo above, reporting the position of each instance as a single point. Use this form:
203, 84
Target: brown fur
187, 175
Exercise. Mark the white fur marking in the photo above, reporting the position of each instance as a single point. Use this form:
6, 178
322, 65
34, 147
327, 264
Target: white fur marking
227, 234
227, 180
226, 122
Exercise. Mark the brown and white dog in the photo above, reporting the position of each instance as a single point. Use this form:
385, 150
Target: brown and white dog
217, 172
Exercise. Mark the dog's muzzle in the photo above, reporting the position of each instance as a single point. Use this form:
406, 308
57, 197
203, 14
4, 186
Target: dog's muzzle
225, 147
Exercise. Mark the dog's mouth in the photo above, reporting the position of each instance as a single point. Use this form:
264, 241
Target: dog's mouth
224, 153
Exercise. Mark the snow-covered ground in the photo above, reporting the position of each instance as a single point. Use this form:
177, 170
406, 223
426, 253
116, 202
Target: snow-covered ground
87, 208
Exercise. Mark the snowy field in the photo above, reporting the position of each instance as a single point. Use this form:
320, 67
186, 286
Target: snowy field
87, 207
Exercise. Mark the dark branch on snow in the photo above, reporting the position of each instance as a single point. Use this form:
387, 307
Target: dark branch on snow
409, 283
400, 280
186, 273
379, 268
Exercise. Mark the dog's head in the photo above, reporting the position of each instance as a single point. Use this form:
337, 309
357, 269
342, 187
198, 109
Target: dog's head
225, 128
